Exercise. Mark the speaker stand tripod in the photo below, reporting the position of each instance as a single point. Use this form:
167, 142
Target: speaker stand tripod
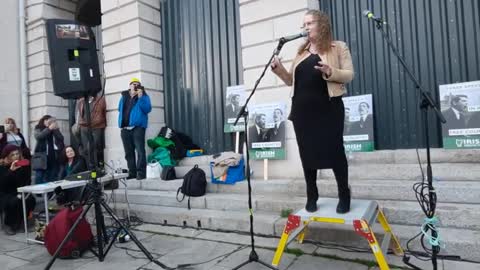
95, 198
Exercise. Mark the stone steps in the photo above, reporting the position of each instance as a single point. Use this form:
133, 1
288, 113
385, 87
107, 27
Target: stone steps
463, 216
400, 156
447, 165
385, 176
447, 191
462, 242
441, 172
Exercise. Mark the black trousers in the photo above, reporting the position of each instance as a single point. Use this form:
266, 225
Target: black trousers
340, 170
134, 140
98, 135
12, 208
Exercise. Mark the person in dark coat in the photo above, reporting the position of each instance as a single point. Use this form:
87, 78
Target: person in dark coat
71, 162
365, 124
49, 141
455, 115
347, 125
318, 75
13, 136
474, 121
258, 132
277, 132
13, 176
232, 109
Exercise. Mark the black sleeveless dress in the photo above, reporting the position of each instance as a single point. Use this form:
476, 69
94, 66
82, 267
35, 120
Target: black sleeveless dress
317, 118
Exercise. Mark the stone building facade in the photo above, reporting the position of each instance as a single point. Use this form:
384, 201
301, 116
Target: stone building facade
132, 47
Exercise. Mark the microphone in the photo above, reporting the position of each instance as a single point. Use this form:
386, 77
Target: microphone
367, 13
293, 37
286, 39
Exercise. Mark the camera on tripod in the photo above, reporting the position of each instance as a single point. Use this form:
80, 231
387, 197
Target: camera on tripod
67, 197
61, 196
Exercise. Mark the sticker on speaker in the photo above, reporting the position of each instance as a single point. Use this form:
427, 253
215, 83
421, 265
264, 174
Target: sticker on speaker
74, 74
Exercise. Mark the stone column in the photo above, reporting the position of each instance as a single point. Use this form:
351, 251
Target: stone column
132, 48
41, 98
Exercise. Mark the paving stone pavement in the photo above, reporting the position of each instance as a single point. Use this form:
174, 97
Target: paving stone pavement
175, 246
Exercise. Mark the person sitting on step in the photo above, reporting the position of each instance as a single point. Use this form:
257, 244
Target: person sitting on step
14, 174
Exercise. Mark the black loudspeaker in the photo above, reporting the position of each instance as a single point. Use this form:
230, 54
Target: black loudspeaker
73, 59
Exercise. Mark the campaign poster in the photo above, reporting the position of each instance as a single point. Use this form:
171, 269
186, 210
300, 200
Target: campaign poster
358, 124
234, 100
266, 131
460, 105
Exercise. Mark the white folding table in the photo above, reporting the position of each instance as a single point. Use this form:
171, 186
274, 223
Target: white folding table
45, 188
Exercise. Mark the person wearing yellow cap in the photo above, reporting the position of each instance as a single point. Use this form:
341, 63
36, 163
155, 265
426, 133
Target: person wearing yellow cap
133, 108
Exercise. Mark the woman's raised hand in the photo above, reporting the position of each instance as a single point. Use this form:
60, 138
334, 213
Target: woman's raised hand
13, 166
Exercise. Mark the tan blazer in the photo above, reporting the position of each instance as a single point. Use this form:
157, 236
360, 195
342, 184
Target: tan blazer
339, 59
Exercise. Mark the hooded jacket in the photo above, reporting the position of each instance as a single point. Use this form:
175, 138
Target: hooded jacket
139, 111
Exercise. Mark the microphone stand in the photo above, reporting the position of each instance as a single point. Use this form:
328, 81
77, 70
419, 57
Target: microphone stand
426, 104
253, 257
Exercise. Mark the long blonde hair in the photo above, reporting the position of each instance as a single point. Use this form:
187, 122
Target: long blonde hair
324, 31
11, 121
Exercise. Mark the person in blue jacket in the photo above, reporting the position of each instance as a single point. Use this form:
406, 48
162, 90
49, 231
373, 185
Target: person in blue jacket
133, 108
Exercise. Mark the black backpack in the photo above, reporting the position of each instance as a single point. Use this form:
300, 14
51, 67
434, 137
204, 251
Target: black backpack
179, 151
168, 173
166, 132
194, 184
182, 142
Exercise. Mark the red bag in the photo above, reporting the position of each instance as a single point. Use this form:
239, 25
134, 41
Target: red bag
58, 228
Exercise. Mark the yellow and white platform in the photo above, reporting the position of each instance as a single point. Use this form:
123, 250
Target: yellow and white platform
363, 214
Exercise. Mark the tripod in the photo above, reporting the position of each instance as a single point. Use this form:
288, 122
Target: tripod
253, 257
95, 199
426, 104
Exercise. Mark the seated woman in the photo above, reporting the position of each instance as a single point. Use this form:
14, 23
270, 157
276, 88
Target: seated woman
13, 176
13, 136
71, 162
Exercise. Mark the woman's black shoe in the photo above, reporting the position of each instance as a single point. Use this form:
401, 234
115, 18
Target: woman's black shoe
344, 204
311, 206
343, 207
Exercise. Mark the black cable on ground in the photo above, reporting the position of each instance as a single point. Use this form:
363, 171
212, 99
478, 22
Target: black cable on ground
428, 205
181, 266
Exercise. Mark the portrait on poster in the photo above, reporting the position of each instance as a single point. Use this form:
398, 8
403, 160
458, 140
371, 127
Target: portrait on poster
358, 129
460, 105
234, 100
266, 132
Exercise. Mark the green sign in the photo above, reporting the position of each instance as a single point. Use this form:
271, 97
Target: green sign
229, 128
359, 146
470, 142
268, 153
